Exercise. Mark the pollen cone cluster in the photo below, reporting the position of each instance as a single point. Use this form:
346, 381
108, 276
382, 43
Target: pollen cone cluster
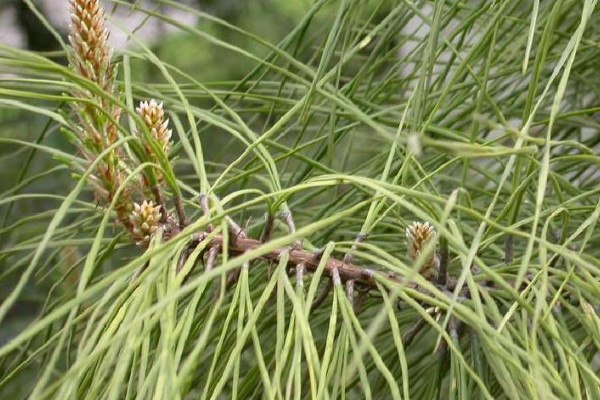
91, 52
96, 128
153, 115
90, 57
97, 116
145, 220
418, 235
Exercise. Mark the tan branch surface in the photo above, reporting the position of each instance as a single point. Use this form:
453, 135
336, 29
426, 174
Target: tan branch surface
347, 271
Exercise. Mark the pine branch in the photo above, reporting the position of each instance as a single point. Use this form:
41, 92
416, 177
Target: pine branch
361, 275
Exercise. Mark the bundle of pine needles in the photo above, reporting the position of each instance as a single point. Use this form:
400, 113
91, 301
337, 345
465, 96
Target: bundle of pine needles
371, 212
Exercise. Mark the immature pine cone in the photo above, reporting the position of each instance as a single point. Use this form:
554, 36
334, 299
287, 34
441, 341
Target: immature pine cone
90, 58
418, 235
91, 52
153, 116
145, 219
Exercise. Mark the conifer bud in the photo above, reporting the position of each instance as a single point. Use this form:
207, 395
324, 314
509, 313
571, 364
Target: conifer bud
91, 52
418, 235
98, 116
145, 221
153, 115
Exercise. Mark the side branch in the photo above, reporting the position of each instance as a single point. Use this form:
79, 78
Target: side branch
310, 260
363, 277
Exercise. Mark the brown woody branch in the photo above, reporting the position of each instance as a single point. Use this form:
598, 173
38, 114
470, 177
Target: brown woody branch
339, 271
183, 221
159, 196
347, 271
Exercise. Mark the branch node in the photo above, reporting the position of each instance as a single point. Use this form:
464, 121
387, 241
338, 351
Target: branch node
335, 277
268, 230
289, 220
183, 221
350, 292
203, 200
318, 254
159, 196
368, 273
212, 256
238, 232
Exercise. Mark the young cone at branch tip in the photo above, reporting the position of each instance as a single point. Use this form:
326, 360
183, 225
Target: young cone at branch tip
145, 220
91, 52
96, 125
90, 57
418, 235
153, 115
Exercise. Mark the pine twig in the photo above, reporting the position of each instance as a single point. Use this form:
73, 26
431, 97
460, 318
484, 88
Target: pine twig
183, 220
336, 268
300, 271
289, 220
237, 234
350, 293
241, 244
348, 259
159, 196
236, 230
266, 236
203, 200
268, 231
213, 252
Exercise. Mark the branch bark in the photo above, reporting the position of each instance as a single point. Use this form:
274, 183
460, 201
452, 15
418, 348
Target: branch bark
347, 271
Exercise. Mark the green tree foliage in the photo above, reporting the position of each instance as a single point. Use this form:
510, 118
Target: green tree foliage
395, 199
